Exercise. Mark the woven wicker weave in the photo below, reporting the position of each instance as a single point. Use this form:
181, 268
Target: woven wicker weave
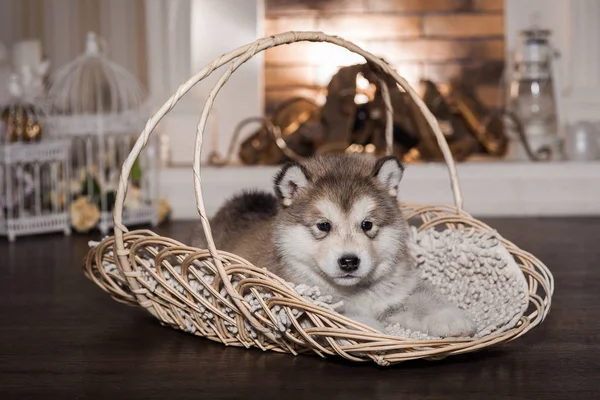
144, 260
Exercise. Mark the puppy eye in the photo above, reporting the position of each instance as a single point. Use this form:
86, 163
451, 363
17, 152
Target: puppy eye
324, 226
366, 226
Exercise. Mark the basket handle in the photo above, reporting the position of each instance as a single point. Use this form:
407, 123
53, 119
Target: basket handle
237, 58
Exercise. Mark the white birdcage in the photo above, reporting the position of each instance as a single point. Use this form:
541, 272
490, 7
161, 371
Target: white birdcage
34, 168
33, 183
98, 106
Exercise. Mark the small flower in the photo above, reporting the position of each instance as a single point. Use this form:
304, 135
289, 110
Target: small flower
84, 215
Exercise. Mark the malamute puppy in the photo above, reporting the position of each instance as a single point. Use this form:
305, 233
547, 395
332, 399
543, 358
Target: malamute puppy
335, 223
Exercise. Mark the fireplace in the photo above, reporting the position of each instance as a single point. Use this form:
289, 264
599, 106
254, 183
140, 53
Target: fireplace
437, 40
490, 189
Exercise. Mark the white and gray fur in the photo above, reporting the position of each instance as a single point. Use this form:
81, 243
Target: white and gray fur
282, 234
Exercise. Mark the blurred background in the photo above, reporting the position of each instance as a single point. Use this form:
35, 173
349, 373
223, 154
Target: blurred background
514, 85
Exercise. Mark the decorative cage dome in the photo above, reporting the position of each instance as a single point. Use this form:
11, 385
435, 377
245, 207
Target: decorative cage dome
94, 84
99, 106
222, 297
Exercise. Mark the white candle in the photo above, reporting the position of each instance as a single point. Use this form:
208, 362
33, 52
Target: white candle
27, 53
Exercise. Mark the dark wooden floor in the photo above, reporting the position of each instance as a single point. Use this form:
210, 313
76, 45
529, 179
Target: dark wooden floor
61, 337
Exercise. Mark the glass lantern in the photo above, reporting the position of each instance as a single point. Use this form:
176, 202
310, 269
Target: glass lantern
532, 96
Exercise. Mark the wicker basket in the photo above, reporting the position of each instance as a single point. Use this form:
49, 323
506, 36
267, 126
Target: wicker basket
144, 261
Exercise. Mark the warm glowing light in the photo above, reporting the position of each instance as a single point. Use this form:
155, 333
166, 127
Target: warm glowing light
354, 148
361, 82
365, 90
370, 148
329, 59
325, 73
361, 98
321, 98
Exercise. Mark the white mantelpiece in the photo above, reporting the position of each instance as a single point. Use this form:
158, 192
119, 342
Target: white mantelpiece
489, 189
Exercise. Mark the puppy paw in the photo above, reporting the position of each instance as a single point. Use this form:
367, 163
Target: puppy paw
449, 322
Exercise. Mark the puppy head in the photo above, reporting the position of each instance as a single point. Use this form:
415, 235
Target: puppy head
340, 218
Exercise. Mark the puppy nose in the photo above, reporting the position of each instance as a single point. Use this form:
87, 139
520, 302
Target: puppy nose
349, 262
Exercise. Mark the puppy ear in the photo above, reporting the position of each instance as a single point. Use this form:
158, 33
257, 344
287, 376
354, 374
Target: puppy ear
388, 171
289, 181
